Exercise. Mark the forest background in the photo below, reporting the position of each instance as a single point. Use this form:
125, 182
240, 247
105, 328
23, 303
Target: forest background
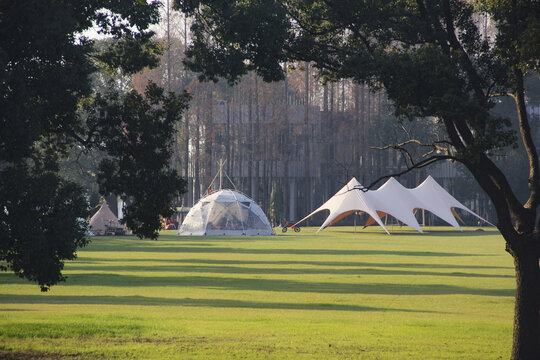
263, 132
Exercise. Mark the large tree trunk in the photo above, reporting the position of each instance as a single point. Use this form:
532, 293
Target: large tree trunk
526, 254
516, 224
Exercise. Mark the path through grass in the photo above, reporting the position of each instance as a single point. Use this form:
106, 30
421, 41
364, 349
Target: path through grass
335, 295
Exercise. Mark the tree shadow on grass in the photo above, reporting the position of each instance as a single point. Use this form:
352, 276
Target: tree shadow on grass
230, 250
8, 354
276, 285
464, 233
229, 269
215, 303
96, 261
428, 231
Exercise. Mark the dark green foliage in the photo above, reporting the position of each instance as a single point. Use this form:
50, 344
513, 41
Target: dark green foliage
46, 69
41, 225
237, 50
117, 54
81, 167
139, 145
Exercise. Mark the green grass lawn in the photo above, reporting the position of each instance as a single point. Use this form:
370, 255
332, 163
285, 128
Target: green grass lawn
333, 295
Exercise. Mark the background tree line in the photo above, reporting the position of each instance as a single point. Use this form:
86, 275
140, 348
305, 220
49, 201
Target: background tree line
260, 129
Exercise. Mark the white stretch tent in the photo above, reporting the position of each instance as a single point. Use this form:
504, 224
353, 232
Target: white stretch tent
352, 197
432, 197
226, 212
394, 199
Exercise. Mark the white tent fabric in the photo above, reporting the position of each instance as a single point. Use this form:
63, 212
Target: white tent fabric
394, 199
352, 197
432, 197
226, 212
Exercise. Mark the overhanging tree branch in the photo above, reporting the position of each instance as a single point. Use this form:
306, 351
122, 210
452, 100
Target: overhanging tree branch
418, 165
528, 143
435, 146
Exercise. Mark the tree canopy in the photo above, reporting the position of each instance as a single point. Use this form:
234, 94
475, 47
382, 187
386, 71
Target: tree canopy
435, 59
48, 107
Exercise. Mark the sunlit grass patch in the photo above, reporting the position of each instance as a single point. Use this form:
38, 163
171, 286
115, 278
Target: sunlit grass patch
337, 294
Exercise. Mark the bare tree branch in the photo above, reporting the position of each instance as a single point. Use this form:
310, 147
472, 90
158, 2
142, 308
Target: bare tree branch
417, 165
436, 145
503, 94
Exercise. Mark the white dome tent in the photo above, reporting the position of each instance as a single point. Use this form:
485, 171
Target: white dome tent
226, 212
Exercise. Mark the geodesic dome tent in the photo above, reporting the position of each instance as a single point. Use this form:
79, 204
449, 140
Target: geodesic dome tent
226, 212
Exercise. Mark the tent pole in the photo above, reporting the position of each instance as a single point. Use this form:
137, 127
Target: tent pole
220, 173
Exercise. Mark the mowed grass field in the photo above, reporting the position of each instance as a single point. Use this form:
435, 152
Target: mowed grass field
333, 295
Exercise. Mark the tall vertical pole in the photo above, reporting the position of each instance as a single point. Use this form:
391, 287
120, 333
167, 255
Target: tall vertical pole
285, 153
307, 134
220, 173
168, 46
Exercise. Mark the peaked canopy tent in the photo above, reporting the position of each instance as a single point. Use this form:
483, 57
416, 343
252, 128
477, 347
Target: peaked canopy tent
226, 212
394, 199
432, 197
352, 197
104, 222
